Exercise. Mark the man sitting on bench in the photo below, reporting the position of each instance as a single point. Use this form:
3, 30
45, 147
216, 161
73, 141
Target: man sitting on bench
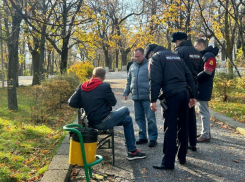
97, 99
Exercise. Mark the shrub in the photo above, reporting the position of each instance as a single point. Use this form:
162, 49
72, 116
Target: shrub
72, 79
59, 92
39, 110
224, 84
82, 70
50, 95
240, 84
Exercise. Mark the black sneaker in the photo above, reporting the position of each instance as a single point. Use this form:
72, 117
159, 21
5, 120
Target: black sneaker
152, 143
136, 155
141, 141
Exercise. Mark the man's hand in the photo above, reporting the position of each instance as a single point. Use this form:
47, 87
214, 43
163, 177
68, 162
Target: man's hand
125, 97
192, 103
154, 106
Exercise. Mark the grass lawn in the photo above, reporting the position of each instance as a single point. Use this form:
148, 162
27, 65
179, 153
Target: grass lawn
26, 148
234, 108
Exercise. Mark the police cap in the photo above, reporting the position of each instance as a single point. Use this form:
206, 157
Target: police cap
149, 48
178, 36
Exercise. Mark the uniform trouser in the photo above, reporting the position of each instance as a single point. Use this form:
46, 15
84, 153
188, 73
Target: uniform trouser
176, 124
192, 127
205, 118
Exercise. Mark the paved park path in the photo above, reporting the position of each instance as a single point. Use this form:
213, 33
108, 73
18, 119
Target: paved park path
222, 159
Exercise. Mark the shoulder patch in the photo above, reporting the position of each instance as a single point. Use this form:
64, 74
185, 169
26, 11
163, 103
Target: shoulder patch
210, 65
172, 58
194, 56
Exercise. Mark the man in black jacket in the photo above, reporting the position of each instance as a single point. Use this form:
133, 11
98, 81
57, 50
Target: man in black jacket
193, 60
169, 73
205, 86
97, 99
130, 63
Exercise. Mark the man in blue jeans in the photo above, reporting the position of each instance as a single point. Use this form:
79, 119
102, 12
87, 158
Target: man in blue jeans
138, 85
97, 99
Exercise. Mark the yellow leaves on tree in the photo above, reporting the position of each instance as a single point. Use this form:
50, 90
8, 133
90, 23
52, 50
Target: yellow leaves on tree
82, 70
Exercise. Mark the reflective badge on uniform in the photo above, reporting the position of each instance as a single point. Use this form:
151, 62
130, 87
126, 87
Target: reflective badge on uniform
194, 56
172, 58
211, 62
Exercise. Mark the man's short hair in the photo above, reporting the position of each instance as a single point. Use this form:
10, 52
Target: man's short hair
140, 49
201, 42
99, 72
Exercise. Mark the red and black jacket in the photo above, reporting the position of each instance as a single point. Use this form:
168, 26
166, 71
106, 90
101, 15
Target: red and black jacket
206, 77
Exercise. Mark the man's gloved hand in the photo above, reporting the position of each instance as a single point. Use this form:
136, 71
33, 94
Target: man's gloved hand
125, 97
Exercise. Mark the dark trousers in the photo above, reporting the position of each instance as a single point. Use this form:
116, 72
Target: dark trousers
176, 127
192, 127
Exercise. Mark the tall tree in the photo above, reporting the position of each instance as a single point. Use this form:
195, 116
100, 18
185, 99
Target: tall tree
14, 19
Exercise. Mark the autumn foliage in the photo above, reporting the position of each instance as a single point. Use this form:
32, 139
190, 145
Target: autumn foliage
82, 70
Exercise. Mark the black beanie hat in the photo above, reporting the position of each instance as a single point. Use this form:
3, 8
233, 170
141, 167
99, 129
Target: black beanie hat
178, 36
149, 48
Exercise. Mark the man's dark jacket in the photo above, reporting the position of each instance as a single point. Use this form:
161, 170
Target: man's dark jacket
129, 64
96, 103
205, 78
191, 56
169, 73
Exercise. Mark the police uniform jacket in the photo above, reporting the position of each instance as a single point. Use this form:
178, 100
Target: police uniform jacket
205, 78
138, 81
168, 72
191, 56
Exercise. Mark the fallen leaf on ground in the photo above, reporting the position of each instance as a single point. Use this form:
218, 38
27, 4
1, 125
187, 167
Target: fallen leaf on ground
144, 170
97, 176
236, 161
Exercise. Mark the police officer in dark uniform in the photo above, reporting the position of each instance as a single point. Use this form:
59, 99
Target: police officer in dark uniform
169, 73
193, 60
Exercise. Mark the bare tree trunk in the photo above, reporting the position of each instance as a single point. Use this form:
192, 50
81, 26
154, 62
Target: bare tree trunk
188, 21
42, 44
36, 68
52, 64
168, 37
227, 40
49, 62
117, 57
42, 53
13, 60
124, 54
2, 75
107, 59
35, 61
22, 63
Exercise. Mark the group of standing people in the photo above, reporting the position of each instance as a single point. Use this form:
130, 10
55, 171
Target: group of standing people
176, 79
